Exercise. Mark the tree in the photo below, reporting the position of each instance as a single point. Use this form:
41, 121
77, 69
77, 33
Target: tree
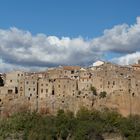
102, 94
1, 81
93, 89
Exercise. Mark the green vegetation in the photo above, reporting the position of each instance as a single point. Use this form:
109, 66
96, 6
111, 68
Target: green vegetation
1, 81
102, 94
86, 125
93, 89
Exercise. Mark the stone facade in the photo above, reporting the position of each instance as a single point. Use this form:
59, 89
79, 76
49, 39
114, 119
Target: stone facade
70, 88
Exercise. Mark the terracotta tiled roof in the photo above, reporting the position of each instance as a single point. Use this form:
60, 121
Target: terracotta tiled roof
71, 67
136, 65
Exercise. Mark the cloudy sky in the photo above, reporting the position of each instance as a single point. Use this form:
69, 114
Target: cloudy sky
41, 34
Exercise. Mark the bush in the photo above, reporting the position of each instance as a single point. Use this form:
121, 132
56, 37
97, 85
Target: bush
86, 125
93, 89
102, 94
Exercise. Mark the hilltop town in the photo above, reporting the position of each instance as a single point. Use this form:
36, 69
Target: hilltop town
103, 85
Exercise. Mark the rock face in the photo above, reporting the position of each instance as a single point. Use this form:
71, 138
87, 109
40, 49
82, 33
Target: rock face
72, 87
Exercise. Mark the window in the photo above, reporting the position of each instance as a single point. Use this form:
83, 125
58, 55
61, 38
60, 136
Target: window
18, 74
33, 89
10, 91
29, 89
10, 81
72, 72
52, 92
21, 89
46, 84
27, 82
41, 90
41, 84
59, 86
113, 82
46, 90
33, 82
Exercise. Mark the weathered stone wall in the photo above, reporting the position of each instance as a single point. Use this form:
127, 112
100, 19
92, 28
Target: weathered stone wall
69, 88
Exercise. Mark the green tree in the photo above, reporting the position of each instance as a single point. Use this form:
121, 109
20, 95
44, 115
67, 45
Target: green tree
1, 81
93, 89
102, 94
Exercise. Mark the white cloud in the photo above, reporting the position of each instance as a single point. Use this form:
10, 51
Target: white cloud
20, 49
127, 59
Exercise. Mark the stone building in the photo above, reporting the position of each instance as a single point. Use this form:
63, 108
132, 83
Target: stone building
12, 78
71, 72
69, 88
65, 87
45, 88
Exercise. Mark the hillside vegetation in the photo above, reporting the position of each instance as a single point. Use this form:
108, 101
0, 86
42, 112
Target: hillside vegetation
86, 125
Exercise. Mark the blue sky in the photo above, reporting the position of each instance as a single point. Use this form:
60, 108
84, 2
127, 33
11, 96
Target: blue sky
87, 18
82, 23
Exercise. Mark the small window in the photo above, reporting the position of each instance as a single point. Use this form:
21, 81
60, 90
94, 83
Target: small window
72, 72
52, 92
10, 81
41, 84
18, 74
21, 89
33, 89
27, 82
10, 91
113, 82
41, 90
133, 94
29, 89
46, 90
33, 82
59, 86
